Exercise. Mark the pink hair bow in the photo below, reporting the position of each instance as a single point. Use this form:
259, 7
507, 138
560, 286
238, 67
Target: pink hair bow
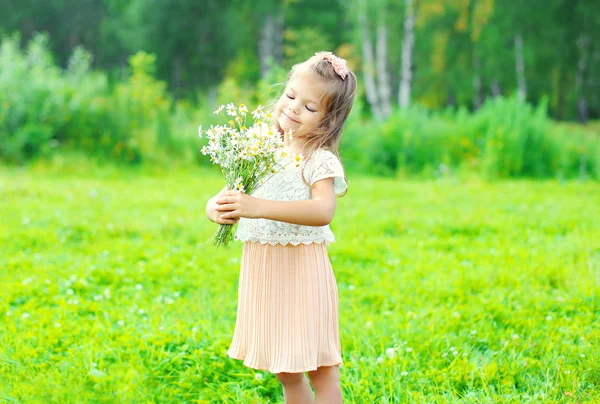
339, 64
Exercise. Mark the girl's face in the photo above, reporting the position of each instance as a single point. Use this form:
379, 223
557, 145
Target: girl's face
301, 106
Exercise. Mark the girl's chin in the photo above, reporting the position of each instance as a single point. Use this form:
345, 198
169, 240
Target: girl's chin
285, 125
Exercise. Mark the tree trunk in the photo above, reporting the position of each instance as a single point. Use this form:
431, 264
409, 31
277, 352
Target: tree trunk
279, 37
582, 66
476, 82
451, 98
212, 96
496, 91
407, 49
368, 63
594, 92
520, 67
177, 73
382, 71
270, 46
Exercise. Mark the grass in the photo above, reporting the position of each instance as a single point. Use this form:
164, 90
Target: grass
450, 291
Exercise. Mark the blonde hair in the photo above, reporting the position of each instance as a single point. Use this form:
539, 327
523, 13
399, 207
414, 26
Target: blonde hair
339, 98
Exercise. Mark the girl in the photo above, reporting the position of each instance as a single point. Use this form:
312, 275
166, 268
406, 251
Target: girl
287, 315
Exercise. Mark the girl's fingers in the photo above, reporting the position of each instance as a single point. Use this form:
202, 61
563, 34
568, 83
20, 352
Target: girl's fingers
229, 197
224, 208
229, 216
224, 199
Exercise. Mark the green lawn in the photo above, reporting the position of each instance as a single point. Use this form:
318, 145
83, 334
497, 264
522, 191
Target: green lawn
450, 291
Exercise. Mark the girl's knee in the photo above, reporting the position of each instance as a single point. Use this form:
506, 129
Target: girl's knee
288, 379
324, 375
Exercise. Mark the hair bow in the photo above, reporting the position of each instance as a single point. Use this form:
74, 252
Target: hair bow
339, 64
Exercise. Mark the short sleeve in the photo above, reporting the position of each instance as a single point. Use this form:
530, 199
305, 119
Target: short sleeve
324, 164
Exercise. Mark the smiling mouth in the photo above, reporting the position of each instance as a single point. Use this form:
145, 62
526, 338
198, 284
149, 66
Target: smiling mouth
290, 118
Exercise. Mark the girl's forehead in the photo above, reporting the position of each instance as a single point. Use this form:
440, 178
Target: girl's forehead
308, 85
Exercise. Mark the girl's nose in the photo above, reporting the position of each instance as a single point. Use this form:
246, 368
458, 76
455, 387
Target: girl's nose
294, 107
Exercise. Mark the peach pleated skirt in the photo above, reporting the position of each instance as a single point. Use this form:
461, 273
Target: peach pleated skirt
287, 315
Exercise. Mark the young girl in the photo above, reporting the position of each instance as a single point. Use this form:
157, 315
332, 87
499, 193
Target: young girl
287, 318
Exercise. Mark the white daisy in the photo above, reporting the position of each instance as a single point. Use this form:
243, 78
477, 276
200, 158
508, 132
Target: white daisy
231, 109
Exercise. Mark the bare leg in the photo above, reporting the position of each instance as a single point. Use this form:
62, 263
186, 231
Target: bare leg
296, 389
326, 382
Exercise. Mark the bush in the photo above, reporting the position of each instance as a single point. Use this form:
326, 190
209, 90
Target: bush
45, 109
31, 97
505, 138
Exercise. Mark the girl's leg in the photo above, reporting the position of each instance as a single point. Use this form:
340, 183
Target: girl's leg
326, 382
296, 389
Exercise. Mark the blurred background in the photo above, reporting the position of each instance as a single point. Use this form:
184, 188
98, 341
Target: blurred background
468, 256
500, 88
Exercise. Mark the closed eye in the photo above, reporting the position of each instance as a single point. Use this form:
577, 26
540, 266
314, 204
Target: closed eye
291, 98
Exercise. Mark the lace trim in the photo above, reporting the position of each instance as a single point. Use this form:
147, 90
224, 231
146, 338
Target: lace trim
285, 240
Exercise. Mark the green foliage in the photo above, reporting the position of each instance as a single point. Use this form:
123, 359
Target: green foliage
30, 98
302, 44
506, 138
139, 107
464, 51
271, 87
46, 108
450, 291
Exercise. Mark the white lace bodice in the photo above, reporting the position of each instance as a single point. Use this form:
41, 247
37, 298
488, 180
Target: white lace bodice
287, 185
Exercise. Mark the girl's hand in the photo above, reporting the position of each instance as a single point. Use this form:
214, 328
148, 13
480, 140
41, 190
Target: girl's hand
236, 204
212, 214
218, 220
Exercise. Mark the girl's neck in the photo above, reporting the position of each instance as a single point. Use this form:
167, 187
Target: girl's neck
293, 146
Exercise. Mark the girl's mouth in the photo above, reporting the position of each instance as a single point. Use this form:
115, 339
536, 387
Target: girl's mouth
288, 117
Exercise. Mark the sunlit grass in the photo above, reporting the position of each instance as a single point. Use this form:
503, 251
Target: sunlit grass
449, 291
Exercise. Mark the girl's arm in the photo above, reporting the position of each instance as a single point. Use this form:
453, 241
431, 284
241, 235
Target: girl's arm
211, 212
317, 211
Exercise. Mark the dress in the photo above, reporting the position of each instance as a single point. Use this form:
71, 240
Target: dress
287, 314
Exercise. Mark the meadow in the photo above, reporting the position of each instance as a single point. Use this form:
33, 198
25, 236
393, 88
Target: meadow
451, 290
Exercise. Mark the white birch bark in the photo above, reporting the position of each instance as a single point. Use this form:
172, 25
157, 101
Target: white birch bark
265, 44
520, 67
270, 46
278, 40
382, 71
212, 96
368, 63
496, 91
407, 50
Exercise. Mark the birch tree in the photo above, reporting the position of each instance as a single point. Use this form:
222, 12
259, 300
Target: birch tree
270, 46
368, 65
583, 44
382, 66
587, 46
407, 54
520, 67
480, 11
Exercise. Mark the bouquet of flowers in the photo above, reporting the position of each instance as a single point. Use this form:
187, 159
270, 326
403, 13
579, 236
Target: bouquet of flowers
246, 150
